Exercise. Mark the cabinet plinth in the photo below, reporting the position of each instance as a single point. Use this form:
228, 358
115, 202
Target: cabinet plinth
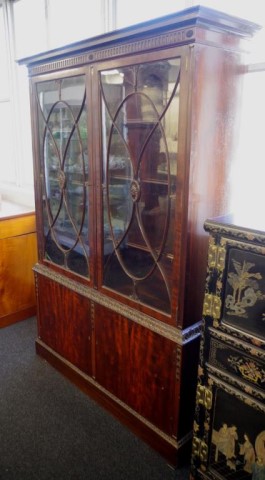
131, 154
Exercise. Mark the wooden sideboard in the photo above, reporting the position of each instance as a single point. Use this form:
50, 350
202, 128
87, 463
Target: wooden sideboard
18, 253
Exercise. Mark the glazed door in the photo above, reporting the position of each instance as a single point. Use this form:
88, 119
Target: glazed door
64, 173
142, 177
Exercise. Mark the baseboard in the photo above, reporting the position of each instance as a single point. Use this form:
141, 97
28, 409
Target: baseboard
17, 316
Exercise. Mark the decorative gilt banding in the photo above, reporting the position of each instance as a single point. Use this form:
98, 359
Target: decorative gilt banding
237, 393
239, 233
178, 363
230, 339
158, 41
236, 382
178, 336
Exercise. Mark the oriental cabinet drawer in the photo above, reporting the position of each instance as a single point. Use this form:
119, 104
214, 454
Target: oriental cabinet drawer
243, 368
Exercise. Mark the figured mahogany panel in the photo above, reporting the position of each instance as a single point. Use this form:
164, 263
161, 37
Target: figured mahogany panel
64, 322
138, 366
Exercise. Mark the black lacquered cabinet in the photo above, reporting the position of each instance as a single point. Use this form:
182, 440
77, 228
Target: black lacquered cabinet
229, 426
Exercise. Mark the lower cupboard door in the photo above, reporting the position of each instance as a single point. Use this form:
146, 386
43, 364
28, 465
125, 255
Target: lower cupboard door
234, 436
138, 366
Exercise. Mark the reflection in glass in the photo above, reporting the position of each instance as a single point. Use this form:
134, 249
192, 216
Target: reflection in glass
140, 105
64, 170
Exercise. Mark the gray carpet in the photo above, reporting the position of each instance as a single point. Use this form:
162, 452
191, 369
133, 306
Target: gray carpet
49, 430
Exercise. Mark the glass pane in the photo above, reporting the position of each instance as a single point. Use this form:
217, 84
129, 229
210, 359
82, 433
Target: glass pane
64, 169
140, 106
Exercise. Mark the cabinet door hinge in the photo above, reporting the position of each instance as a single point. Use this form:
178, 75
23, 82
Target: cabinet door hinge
212, 306
204, 397
216, 256
199, 449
